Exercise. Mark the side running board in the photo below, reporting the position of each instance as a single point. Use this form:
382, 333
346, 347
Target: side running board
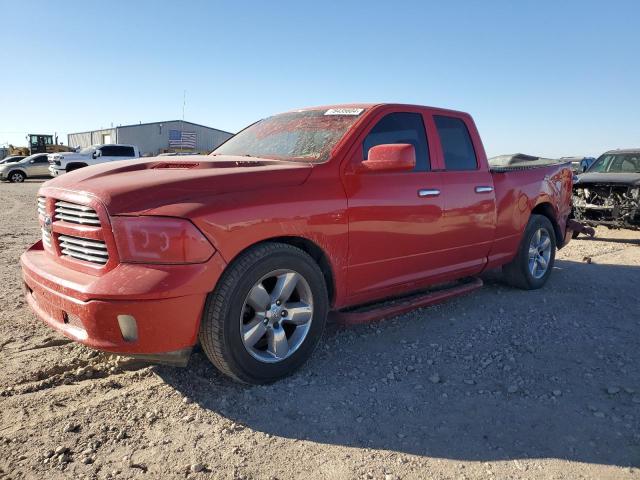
397, 306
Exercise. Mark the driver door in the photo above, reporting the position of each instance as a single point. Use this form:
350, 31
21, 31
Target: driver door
39, 167
394, 217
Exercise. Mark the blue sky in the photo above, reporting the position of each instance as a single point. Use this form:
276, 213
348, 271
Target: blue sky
541, 77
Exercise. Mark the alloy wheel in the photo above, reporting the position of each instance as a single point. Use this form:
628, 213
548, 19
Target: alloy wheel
539, 253
17, 177
276, 316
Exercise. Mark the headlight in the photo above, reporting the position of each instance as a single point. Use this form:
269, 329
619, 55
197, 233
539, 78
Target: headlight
160, 240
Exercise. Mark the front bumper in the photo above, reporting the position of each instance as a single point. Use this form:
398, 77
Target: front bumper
55, 171
166, 302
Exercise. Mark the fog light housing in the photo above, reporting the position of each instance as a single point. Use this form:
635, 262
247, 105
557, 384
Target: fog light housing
128, 327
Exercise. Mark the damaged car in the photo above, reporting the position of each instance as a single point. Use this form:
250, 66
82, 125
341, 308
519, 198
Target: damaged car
608, 193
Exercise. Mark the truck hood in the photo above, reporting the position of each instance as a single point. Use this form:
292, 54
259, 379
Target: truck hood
631, 179
138, 186
69, 156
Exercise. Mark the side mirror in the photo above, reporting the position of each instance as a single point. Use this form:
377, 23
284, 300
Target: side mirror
96, 154
395, 157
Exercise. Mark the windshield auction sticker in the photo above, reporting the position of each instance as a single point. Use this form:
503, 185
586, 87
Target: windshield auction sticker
344, 111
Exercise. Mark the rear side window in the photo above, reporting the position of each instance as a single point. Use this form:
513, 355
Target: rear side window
456, 144
401, 127
41, 159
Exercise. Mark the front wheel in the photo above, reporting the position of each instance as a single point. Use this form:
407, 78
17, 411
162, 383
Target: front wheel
266, 315
536, 255
17, 177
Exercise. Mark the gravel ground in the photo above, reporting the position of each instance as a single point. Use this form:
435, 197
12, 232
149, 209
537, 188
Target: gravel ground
498, 384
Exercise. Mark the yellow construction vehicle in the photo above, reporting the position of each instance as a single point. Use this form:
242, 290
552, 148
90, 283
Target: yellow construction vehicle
38, 143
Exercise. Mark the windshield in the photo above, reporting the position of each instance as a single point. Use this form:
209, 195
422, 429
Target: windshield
87, 150
11, 159
617, 163
307, 135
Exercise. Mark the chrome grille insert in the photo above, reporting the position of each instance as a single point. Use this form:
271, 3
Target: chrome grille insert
94, 251
42, 206
46, 238
74, 213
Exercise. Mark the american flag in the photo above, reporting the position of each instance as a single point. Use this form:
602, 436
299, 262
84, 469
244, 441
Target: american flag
179, 139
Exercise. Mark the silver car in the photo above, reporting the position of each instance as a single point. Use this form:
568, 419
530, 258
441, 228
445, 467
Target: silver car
33, 166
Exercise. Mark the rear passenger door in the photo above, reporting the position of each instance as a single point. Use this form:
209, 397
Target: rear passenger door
469, 200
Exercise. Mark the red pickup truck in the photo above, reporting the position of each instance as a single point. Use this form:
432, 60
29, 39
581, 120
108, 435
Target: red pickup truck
248, 249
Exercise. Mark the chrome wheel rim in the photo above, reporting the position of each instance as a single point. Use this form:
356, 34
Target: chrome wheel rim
16, 177
276, 316
539, 253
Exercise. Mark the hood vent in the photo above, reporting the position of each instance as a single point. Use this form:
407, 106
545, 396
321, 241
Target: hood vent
179, 165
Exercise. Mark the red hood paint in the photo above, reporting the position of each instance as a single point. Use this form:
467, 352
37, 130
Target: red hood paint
137, 186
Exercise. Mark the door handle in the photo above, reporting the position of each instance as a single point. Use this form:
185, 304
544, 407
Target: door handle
483, 189
428, 192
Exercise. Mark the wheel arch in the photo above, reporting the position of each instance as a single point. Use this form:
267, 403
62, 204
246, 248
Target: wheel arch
18, 170
546, 210
314, 250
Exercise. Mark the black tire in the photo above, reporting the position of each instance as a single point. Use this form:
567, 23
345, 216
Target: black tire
16, 176
575, 234
220, 335
517, 273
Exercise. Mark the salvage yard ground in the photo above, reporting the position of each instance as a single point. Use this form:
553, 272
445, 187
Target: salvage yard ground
498, 384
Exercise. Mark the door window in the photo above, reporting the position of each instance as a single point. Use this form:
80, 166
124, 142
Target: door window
457, 147
41, 159
116, 151
401, 127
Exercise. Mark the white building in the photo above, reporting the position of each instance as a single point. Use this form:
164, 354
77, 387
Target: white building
155, 138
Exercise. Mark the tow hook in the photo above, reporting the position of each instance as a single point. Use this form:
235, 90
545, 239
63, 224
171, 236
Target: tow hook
578, 227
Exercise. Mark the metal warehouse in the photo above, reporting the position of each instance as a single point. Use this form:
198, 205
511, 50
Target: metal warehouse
154, 138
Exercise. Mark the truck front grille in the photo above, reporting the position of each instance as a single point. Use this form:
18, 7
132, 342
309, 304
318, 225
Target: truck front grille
66, 235
46, 238
94, 251
42, 206
74, 213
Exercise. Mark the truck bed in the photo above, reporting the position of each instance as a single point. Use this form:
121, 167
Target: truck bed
519, 188
519, 161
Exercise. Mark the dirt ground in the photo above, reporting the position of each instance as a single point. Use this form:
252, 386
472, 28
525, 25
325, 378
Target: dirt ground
501, 384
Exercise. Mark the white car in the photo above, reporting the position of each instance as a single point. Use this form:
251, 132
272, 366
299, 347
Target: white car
64, 162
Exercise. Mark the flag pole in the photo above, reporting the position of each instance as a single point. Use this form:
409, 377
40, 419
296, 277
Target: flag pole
184, 102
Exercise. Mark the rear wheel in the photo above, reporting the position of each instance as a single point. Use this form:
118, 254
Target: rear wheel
536, 255
17, 177
266, 315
